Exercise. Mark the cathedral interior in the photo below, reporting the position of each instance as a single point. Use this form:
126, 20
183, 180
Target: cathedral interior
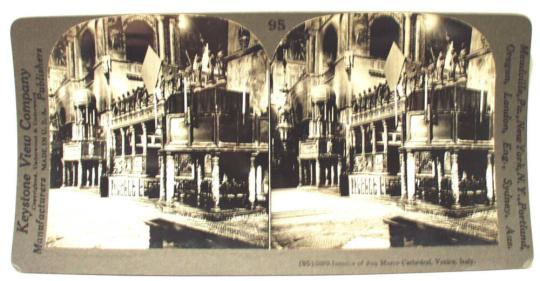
199, 138
338, 125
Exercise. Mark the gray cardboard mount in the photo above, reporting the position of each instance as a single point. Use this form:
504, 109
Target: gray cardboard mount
509, 37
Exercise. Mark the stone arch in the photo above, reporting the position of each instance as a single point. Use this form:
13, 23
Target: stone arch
87, 50
330, 45
383, 31
139, 34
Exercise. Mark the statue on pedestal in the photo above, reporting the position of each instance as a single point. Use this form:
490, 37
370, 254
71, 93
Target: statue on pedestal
220, 65
197, 69
462, 60
439, 69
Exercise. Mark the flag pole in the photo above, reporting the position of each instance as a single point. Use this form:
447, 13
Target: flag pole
156, 92
397, 92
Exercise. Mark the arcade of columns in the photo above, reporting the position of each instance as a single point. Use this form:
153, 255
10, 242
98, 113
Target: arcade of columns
84, 169
371, 182
320, 167
200, 173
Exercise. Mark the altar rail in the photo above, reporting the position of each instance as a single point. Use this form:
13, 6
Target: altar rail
232, 194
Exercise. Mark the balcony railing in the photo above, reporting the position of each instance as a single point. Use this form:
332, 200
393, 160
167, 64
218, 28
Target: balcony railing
75, 150
313, 148
471, 191
130, 164
232, 193
384, 110
370, 163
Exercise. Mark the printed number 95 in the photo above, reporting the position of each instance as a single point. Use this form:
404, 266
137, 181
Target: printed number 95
276, 24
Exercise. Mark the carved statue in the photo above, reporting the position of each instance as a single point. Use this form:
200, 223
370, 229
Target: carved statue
207, 164
60, 54
440, 68
205, 63
462, 64
453, 65
211, 73
220, 65
197, 68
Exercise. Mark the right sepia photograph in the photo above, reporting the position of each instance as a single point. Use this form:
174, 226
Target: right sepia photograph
382, 134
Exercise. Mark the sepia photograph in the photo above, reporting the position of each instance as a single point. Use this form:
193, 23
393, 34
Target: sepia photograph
225, 139
159, 130
382, 134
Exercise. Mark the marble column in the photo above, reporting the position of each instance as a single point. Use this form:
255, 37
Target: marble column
328, 177
363, 132
64, 173
100, 172
162, 158
455, 178
172, 45
133, 140
89, 175
317, 173
407, 39
161, 38
417, 53
403, 178
96, 174
169, 181
215, 181
311, 172
339, 172
333, 173
79, 173
251, 181
373, 138
385, 136
93, 172
439, 179
259, 184
144, 139
199, 177
490, 189
378, 186
72, 175
411, 175
123, 137
300, 173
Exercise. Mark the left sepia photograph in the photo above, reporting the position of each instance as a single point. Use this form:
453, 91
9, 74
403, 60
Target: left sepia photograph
158, 135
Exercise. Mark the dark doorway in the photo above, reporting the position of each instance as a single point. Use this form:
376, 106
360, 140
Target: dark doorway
383, 32
330, 45
138, 37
